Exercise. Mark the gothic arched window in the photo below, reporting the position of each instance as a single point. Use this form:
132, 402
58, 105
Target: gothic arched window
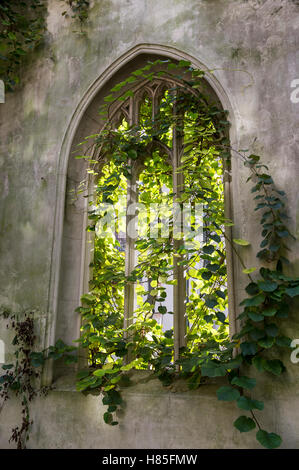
160, 224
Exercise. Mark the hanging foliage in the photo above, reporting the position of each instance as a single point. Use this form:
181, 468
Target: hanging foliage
22, 30
209, 351
144, 343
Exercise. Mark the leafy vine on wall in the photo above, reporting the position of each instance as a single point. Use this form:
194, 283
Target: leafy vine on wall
20, 377
209, 352
22, 30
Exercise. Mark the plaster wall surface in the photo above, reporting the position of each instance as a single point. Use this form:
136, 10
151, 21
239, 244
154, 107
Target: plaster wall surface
252, 46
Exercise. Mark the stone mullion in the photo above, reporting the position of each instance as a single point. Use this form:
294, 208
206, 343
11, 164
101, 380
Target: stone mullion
129, 290
130, 251
179, 288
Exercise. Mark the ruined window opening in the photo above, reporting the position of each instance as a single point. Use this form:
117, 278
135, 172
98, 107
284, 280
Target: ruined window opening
167, 152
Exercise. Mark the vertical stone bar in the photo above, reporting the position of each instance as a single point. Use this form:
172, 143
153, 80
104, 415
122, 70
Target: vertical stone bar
87, 257
179, 289
130, 249
229, 252
129, 290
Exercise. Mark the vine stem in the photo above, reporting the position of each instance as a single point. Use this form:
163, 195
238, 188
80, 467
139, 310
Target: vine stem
254, 417
237, 253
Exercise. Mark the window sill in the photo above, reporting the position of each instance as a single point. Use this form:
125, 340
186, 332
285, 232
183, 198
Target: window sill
144, 383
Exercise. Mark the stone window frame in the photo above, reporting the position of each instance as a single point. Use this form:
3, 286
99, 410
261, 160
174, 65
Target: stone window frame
130, 111
85, 122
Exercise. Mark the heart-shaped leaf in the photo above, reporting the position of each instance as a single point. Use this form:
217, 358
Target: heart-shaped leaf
227, 393
244, 382
244, 424
268, 440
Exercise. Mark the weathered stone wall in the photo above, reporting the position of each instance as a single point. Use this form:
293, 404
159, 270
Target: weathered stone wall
252, 46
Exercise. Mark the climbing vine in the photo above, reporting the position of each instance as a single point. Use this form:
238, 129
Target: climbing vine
209, 351
79, 9
22, 26
22, 30
22, 377
115, 350
19, 377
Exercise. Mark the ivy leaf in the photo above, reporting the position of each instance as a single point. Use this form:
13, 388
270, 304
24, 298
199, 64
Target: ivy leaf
256, 317
274, 247
259, 362
206, 275
252, 288
15, 385
268, 440
82, 374
162, 309
112, 397
208, 249
248, 348
184, 63
244, 424
215, 237
5, 378
211, 301
132, 154
257, 334
7, 366
241, 242
266, 342
272, 330
88, 299
282, 233
254, 301
109, 98
227, 393
249, 270
275, 366
283, 311
267, 286
244, 331
244, 382
108, 418
255, 158
221, 316
102, 372
212, 369
187, 364
213, 267
245, 403
292, 291
209, 318
37, 359
221, 294
269, 311
234, 363
283, 341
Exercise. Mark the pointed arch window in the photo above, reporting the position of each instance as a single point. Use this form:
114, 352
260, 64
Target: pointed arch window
171, 177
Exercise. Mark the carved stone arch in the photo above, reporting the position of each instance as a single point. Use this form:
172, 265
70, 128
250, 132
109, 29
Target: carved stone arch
69, 251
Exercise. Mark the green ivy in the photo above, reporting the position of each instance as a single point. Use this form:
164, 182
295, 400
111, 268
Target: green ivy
20, 378
22, 30
113, 350
207, 354
79, 9
22, 27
